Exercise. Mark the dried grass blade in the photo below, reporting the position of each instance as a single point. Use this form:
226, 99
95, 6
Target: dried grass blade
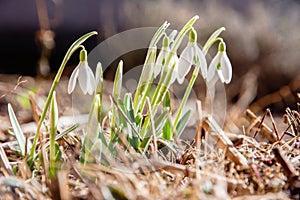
227, 145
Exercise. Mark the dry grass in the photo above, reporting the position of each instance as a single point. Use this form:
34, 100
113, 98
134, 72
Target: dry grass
260, 162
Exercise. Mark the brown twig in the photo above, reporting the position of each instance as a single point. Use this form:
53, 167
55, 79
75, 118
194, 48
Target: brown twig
264, 129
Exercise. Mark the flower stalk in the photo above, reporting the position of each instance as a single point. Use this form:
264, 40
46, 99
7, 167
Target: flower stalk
70, 51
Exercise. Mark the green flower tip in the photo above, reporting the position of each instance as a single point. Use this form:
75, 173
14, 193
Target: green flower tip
166, 41
83, 55
193, 35
222, 47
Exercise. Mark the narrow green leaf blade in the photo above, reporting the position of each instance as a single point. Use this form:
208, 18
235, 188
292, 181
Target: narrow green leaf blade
17, 129
53, 130
167, 131
118, 81
183, 122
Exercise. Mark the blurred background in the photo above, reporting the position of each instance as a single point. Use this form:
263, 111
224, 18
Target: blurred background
263, 37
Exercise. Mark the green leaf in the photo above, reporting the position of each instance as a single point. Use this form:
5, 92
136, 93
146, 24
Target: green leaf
145, 82
116, 95
93, 131
54, 167
101, 136
144, 87
58, 153
169, 145
96, 149
99, 89
17, 130
183, 122
52, 135
133, 138
159, 124
167, 131
65, 132
138, 119
118, 81
129, 107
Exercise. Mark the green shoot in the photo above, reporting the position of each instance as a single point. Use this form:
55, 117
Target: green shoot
116, 95
167, 131
183, 122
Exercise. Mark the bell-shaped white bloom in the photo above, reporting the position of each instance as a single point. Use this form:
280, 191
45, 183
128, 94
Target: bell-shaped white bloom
191, 55
221, 64
84, 74
161, 61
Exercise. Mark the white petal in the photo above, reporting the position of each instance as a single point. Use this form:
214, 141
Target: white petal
73, 79
183, 68
213, 67
159, 62
226, 68
91, 81
86, 79
201, 62
221, 76
174, 60
185, 62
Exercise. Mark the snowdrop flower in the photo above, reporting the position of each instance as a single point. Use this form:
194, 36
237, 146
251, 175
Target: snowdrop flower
221, 64
162, 59
191, 55
84, 74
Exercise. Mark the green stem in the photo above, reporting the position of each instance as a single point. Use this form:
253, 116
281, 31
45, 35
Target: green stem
72, 49
186, 95
212, 39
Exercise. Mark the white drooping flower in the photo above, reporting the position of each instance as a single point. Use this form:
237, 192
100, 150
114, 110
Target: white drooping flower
191, 55
221, 64
84, 74
161, 60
